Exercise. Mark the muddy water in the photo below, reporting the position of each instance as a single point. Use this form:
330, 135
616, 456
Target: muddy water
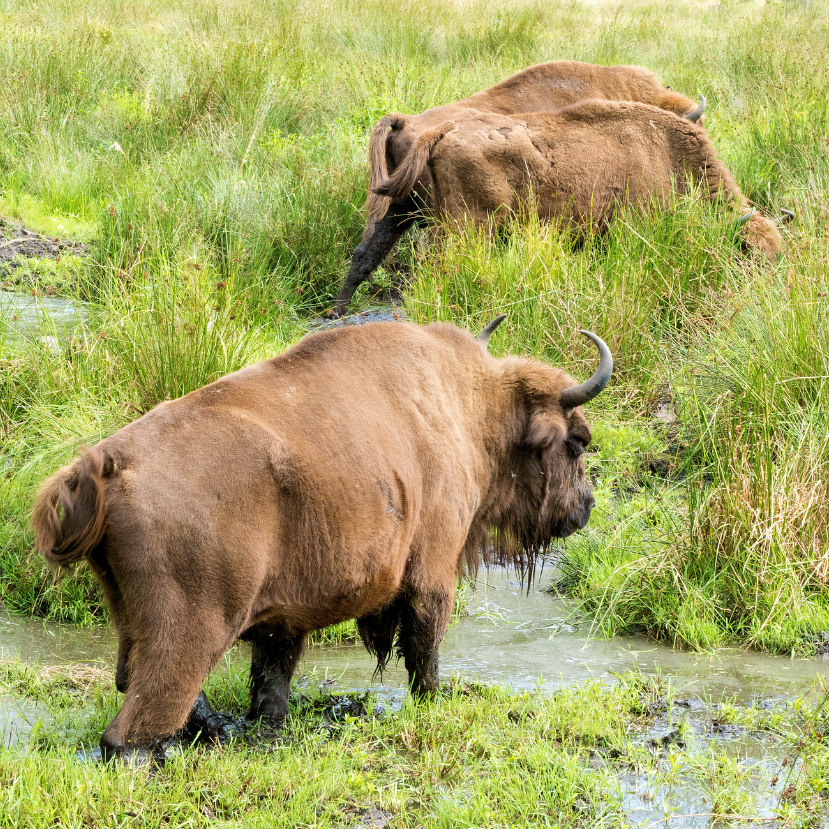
508, 637
533, 640
526, 640
25, 318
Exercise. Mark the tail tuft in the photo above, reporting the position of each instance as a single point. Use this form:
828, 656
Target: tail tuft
403, 179
377, 206
69, 514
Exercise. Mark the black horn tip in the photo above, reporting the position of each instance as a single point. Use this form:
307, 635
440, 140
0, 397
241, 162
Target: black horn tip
484, 336
697, 113
584, 392
785, 216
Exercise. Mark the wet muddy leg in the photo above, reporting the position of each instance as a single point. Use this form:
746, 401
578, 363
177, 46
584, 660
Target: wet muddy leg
423, 623
372, 251
275, 657
208, 725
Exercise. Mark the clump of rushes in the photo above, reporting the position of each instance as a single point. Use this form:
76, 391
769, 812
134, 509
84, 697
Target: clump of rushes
216, 166
740, 549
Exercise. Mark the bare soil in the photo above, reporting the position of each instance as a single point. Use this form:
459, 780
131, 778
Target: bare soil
17, 245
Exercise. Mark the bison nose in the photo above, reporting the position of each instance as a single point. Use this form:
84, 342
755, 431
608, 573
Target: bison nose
589, 502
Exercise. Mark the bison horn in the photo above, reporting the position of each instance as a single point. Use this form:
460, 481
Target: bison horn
581, 394
697, 113
484, 336
785, 216
743, 219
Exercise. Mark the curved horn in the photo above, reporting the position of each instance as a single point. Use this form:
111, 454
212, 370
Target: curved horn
483, 337
697, 113
785, 216
743, 219
581, 394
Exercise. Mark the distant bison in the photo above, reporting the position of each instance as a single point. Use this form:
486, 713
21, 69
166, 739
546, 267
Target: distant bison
546, 86
351, 477
576, 166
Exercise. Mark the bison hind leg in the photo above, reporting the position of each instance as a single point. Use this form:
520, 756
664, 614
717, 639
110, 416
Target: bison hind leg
378, 631
424, 619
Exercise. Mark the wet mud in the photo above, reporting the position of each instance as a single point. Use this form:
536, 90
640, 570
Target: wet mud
527, 640
17, 245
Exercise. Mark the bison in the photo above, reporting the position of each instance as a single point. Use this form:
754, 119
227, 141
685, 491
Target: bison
576, 166
546, 86
353, 476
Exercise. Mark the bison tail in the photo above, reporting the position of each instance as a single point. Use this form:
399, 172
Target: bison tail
70, 511
403, 179
378, 206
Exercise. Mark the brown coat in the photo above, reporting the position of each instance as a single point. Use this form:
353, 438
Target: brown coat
350, 477
576, 166
539, 88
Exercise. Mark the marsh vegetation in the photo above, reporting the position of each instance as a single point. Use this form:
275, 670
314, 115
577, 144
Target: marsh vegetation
212, 158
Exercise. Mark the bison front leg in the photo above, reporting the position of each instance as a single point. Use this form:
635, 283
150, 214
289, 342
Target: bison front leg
423, 623
374, 249
275, 657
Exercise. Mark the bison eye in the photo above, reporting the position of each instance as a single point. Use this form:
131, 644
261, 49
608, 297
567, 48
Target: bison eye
576, 446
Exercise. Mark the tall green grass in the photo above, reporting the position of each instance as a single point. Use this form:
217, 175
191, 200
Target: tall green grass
214, 157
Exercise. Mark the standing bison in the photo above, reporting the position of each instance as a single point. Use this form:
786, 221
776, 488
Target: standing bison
543, 87
576, 166
351, 477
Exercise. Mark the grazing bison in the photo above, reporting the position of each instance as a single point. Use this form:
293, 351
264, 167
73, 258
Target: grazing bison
546, 86
351, 477
577, 165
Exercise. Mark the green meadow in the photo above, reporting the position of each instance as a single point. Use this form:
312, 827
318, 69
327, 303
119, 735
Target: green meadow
214, 159
212, 156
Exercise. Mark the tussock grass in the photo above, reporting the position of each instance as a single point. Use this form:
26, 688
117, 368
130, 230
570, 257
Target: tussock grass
214, 158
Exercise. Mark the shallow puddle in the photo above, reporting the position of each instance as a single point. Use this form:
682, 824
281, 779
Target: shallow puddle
50, 319
529, 640
509, 637
526, 640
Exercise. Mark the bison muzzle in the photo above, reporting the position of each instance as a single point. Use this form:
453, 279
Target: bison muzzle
353, 476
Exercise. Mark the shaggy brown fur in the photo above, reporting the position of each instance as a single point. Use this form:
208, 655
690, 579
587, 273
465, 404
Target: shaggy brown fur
539, 88
350, 477
546, 86
577, 166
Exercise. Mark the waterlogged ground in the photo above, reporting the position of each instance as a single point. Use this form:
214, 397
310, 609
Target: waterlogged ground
640, 731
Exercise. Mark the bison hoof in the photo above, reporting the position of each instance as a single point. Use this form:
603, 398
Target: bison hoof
207, 725
134, 757
332, 314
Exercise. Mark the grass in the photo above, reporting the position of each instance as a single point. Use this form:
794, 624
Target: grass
214, 160
583, 756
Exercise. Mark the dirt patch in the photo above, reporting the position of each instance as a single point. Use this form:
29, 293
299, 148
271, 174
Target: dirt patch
21, 248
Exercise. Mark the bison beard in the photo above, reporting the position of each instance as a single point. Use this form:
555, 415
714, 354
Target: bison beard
353, 476
539, 88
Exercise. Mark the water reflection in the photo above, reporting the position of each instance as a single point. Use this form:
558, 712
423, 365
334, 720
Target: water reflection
25, 318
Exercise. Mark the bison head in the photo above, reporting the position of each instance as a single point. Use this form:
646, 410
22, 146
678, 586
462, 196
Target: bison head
543, 489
